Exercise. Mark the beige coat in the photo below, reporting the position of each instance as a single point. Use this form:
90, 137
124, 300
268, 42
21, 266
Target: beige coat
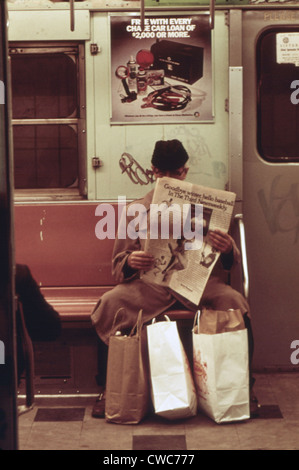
133, 293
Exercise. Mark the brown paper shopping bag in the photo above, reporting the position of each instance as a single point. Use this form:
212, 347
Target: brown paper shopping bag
220, 365
127, 386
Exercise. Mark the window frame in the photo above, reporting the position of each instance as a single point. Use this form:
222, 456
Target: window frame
79, 192
276, 29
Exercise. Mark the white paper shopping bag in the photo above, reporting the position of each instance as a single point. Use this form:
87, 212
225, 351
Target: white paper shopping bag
172, 386
221, 374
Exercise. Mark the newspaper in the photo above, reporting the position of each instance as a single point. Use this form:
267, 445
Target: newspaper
184, 258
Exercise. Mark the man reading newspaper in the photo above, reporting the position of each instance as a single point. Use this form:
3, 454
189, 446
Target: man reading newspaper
186, 234
130, 261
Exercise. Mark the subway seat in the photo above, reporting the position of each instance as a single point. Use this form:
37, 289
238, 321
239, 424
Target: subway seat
71, 265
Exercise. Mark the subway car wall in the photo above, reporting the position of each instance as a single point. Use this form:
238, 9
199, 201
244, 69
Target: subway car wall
89, 137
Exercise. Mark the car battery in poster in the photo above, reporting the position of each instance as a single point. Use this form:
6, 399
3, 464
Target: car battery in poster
161, 72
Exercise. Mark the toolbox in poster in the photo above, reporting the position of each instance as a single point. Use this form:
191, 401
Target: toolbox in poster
162, 72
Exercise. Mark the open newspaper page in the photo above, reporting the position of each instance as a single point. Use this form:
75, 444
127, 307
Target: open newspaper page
181, 216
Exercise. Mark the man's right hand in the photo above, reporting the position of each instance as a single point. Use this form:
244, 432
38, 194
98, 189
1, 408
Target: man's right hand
140, 260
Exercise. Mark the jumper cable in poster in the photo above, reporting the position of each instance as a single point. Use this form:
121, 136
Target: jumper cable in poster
162, 73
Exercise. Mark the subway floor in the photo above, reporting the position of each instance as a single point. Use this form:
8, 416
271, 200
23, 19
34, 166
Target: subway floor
57, 424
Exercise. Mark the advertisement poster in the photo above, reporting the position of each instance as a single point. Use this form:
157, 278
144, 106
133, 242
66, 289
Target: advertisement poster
161, 73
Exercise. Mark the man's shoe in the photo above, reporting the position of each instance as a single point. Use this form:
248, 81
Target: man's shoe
98, 410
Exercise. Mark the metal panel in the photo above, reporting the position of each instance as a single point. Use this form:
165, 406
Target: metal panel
207, 144
236, 132
34, 26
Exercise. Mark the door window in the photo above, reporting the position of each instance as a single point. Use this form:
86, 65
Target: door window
278, 95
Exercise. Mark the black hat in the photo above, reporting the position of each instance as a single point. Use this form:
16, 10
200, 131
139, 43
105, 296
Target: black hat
169, 155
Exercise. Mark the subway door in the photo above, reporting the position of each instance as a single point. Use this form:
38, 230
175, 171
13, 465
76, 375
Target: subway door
271, 182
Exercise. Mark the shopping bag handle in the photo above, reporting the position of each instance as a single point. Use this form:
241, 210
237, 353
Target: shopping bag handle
115, 317
196, 319
138, 326
165, 316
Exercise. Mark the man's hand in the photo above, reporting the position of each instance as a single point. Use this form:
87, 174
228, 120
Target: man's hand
140, 260
221, 241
